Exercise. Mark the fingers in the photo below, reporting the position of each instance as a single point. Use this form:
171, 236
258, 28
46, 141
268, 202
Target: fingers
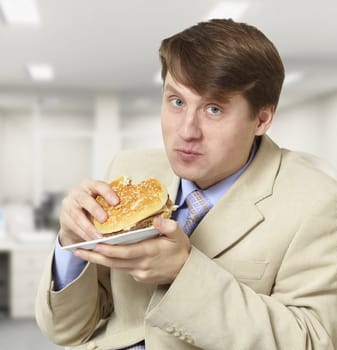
75, 223
97, 257
79, 198
173, 232
129, 258
156, 260
85, 197
129, 252
97, 187
77, 208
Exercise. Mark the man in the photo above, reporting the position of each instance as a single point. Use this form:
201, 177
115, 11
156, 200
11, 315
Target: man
260, 269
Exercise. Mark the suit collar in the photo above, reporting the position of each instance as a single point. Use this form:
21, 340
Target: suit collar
236, 212
173, 187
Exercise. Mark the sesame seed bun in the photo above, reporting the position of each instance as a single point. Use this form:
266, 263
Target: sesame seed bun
138, 205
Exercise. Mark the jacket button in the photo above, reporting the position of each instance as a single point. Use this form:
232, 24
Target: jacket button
170, 329
189, 340
177, 333
91, 345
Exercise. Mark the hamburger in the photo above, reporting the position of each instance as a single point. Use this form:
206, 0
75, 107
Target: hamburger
138, 205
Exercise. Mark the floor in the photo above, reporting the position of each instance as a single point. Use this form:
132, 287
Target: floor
23, 335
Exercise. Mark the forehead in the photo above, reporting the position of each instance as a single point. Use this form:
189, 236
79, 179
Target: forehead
173, 86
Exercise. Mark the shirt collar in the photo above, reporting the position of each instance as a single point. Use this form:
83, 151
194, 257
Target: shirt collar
215, 192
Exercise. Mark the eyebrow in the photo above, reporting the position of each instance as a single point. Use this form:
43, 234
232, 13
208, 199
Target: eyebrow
168, 87
226, 99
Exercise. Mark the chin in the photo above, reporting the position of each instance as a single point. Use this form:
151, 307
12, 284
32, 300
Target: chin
186, 174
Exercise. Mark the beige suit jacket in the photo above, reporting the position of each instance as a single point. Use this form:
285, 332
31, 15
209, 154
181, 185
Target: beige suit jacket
262, 273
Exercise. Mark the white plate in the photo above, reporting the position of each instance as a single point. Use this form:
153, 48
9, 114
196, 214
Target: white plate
123, 238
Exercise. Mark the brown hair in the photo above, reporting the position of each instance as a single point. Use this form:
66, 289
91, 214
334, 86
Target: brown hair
221, 57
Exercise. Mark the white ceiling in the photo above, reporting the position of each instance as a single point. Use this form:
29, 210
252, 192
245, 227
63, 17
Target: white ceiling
106, 45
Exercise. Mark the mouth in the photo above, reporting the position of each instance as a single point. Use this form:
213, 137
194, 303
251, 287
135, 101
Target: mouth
187, 154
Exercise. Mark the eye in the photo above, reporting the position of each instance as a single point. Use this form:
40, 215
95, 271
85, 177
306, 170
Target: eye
213, 110
177, 102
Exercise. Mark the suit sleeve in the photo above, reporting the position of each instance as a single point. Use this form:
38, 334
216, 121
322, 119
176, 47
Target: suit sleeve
71, 315
210, 308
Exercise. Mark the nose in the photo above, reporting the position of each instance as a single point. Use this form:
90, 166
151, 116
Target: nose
189, 128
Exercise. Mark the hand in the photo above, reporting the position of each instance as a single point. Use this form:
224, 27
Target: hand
157, 260
77, 207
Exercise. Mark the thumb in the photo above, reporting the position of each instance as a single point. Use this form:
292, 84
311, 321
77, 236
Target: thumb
166, 227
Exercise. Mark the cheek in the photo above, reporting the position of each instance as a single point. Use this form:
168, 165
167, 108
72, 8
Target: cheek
219, 138
168, 125
225, 142
166, 129
237, 132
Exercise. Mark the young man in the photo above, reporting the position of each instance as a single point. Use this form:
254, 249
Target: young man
260, 269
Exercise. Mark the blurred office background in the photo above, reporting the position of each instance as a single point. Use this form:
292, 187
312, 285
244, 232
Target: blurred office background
79, 81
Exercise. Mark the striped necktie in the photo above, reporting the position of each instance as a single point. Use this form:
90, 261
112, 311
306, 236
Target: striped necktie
198, 207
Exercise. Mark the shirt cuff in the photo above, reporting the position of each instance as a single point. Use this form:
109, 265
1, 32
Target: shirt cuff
66, 266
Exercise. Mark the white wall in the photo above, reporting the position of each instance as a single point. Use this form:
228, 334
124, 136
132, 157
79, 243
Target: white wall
1, 146
2, 151
65, 149
45, 155
16, 160
106, 133
309, 127
141, 131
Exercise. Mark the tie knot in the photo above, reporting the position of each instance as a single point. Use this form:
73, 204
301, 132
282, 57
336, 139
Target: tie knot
198, 207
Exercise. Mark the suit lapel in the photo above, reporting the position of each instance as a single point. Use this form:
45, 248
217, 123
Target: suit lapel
173, 186
236, 213
224, 225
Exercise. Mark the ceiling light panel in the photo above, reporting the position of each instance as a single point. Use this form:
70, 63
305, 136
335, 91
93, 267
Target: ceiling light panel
228, 9
292, 77
20, 12
41, 72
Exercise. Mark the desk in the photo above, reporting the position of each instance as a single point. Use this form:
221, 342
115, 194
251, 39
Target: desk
25, 261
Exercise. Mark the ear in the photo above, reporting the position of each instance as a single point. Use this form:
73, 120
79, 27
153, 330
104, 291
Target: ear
264, 119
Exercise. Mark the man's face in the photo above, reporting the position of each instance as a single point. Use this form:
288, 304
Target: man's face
205, 140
